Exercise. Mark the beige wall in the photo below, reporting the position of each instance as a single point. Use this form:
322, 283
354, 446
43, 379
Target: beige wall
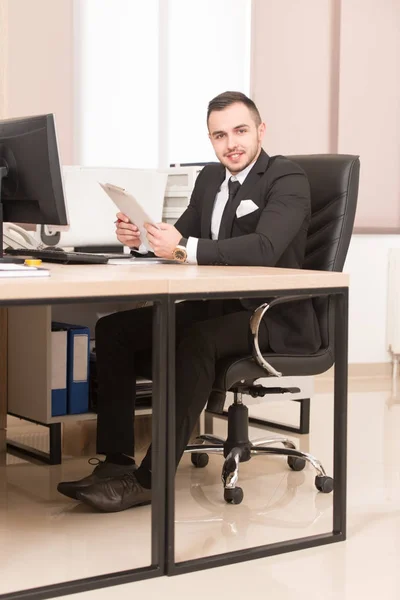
291, 73
3, 56
326, 77
36, 63
370, 105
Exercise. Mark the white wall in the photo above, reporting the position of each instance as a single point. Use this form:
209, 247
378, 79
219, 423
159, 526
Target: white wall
367, 264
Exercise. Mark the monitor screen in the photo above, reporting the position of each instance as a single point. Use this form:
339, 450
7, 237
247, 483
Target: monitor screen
32, 190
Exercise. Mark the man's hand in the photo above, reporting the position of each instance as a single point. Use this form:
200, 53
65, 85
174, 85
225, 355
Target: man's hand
127, 233
163, 240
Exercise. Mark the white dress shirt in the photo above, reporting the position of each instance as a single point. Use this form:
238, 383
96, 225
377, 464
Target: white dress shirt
219, 204
220, 201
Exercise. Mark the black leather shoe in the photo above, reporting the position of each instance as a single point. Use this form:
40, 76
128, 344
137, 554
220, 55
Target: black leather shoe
118, 493
103, 472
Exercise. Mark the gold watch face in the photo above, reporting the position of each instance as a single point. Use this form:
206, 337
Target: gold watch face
180, 254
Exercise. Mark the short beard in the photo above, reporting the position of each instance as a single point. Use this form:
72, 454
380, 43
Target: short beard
249, 161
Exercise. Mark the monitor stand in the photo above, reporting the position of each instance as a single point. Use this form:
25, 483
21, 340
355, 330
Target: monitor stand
5, 259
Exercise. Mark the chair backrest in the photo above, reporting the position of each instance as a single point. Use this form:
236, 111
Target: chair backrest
334, 189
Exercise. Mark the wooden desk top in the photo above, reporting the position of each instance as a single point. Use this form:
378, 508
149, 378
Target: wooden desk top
191, 278
99, 281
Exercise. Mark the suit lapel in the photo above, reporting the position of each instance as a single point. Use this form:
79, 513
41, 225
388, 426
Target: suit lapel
212, 190
245, 191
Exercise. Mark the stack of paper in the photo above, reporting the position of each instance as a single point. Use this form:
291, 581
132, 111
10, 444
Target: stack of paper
16, 270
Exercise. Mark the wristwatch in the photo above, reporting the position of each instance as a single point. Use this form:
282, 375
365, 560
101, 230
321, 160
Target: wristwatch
179, 252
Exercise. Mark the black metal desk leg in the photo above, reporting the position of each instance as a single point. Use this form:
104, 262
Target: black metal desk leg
340, 414
171, 449
55, 444
159, 394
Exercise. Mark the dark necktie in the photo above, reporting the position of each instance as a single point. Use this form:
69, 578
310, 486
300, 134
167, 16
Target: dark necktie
216, 307
233, 188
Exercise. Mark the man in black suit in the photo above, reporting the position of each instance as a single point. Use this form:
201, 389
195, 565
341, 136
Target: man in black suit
248, 209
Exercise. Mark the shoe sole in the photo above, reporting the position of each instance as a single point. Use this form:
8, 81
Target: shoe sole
93, 505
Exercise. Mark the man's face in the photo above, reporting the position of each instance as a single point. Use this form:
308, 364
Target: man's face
235, 137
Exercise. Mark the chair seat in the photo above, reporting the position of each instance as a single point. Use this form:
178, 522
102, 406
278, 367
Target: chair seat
231, 370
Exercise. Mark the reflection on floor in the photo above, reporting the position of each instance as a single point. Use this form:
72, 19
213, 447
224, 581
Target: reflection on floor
47, 538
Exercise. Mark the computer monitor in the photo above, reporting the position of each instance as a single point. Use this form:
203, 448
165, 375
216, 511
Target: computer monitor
31, 186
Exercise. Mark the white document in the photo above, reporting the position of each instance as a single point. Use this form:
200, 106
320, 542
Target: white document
141, 261
18, 270
128, 205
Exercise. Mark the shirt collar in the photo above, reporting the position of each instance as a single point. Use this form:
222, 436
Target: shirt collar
240, 177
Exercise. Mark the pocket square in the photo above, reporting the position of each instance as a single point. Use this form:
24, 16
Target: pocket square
245, 208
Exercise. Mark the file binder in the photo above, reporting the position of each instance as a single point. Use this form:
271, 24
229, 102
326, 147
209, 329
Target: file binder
58, 371
78, 337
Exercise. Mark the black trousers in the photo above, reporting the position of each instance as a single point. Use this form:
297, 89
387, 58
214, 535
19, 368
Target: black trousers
123, 349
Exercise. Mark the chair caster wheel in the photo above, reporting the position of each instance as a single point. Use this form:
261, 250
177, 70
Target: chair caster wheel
233, 495
324, 484
296, 463
199, 460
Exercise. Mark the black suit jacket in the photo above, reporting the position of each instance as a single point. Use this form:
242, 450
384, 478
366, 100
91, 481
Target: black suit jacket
274, 235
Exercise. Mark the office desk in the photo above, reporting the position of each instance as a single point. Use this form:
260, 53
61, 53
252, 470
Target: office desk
165, 285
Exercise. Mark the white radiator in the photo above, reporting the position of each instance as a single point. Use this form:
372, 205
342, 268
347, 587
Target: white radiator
393, 308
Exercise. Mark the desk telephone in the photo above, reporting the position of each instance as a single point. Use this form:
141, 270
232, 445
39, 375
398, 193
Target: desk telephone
18, 238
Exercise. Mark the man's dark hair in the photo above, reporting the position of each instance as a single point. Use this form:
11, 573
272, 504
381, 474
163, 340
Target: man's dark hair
228, 98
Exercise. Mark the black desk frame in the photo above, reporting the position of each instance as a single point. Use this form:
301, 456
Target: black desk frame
159, 403
163, 433
338, 532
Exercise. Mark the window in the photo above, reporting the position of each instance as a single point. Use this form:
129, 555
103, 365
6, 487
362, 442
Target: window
117, 83
145, 72
208, 53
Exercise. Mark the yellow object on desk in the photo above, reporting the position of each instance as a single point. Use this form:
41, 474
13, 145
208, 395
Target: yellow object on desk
33, 262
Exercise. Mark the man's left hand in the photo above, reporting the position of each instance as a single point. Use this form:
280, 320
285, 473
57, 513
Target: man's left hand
163, 240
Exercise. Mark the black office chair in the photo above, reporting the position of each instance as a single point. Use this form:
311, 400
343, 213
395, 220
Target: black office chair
334, 188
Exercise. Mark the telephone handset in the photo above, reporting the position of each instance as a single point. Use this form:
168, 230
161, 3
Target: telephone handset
16, 237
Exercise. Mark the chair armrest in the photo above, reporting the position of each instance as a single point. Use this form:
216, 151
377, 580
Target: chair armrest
255, 321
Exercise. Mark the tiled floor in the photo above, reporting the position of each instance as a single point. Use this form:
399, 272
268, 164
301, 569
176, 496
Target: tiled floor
46, 538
